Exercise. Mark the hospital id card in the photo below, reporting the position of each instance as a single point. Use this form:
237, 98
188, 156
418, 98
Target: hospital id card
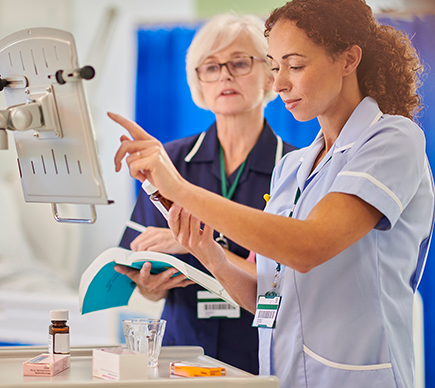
267, 310
211, 306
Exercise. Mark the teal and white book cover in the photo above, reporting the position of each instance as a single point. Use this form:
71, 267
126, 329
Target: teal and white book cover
101, 287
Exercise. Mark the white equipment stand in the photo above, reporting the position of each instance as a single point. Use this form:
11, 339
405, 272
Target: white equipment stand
48, 114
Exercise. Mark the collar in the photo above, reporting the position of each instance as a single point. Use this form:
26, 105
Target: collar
263, 155
363, 117
365, 114
204, 149
261, 159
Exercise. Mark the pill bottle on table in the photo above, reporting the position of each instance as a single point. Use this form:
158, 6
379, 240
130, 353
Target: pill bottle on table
58, 333
156, 198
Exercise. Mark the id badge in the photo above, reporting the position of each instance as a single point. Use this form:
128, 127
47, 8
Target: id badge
211, 306
266, 312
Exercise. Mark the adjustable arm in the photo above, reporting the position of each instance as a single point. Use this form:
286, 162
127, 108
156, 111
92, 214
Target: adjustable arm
38, 113
18, 118
64, 76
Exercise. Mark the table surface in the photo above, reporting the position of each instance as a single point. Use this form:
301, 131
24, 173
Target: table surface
80, 371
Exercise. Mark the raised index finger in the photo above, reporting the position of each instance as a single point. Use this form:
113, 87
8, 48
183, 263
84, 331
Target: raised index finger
135, 130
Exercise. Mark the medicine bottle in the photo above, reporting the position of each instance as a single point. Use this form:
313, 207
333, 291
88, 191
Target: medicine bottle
58, 333
156, 198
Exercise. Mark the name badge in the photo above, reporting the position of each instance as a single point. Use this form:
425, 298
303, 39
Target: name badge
267, 310
211, 306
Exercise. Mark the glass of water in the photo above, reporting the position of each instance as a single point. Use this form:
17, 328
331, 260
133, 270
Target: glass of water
145, 336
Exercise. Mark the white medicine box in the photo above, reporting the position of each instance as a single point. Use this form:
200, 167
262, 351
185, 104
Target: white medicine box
119, 364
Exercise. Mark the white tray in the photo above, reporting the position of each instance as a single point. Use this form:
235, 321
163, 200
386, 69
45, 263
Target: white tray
80, 372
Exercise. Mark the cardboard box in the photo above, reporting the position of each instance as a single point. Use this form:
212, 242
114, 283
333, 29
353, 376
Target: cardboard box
187, 369
119, 364
46, 365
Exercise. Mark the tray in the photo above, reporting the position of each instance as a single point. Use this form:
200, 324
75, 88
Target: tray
80, 372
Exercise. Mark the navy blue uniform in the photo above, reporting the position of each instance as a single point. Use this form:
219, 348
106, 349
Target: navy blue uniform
231, 340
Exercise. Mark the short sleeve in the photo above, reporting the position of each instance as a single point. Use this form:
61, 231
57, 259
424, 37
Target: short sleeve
384, 167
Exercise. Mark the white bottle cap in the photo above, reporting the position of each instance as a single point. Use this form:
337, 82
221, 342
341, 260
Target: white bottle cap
59, 315
149, 187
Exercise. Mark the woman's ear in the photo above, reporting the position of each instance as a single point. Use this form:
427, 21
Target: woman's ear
352, 59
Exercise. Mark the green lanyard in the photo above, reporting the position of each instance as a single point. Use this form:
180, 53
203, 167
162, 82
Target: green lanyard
224, 183
221, 239
271, 293
298, 194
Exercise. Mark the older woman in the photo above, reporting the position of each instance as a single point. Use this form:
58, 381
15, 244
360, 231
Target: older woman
229, 74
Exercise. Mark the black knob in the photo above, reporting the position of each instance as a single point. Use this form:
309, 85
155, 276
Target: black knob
3, 83
87, 72
64, 76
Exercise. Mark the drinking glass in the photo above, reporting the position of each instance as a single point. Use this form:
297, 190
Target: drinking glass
145, 336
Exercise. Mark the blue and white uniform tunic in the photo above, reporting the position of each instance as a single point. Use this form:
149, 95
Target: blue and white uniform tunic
348, 322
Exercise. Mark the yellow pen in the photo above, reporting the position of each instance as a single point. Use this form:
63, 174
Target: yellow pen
266, 197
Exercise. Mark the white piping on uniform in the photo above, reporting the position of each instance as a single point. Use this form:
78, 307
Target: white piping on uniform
279, 149
135, 226
376, 182
195, 148
344, 147
376, 119
346, 366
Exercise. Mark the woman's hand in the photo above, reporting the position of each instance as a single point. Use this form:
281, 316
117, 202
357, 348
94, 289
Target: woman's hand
154, 287
157, 240
187, 231
241, 285
147, 159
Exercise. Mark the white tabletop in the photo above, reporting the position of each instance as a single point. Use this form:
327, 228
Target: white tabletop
80, 372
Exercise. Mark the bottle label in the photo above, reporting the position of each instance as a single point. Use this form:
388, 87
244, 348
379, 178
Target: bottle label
50, 343
61, 343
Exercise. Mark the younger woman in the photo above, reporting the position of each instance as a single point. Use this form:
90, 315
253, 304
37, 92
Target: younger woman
344, 237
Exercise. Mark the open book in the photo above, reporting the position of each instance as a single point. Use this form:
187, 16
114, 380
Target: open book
101, 287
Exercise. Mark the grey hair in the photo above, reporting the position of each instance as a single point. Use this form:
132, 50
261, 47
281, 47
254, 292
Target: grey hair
217, 34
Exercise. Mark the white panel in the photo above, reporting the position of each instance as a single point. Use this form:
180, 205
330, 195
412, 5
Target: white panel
54, 169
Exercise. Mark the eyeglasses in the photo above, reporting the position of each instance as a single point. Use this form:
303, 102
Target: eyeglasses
210, 72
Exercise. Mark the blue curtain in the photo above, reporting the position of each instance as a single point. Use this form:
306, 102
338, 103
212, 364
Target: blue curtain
165, 109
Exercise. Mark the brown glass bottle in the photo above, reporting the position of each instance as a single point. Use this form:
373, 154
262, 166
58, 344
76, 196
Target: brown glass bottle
58, 333
162, 203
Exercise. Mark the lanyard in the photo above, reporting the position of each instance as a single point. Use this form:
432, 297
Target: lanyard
271, 292
224, 182
278, 265
297, 196
268, 304
221, 239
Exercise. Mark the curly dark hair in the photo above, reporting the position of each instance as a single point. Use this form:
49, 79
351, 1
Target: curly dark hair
390, 68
